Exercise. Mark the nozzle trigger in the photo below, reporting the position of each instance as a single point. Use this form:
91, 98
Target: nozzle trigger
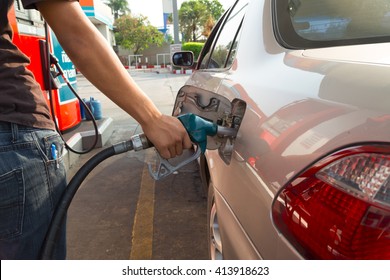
165, 168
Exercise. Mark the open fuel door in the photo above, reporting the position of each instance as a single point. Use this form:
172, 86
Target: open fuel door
217, 109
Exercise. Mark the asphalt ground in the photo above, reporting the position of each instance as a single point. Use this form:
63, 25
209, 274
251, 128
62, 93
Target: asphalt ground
120, 212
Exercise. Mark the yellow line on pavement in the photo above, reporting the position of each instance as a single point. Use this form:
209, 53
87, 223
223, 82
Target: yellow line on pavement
142, 241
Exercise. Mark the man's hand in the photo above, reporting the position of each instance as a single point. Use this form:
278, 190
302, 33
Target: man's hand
168, 135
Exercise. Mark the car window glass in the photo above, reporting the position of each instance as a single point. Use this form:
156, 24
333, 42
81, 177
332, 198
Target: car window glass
224, 49
330, 19
207, 49
321, 23
233, 49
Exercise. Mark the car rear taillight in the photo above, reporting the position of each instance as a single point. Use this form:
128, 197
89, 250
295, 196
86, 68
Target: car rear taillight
340, 207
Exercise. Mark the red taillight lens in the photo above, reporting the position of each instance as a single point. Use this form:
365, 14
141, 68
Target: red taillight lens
339, 208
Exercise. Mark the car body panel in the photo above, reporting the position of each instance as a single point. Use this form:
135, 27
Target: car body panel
234, 237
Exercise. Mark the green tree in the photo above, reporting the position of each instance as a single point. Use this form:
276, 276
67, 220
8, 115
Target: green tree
136, 33
119, 7
196, 18
208, 26
214, 7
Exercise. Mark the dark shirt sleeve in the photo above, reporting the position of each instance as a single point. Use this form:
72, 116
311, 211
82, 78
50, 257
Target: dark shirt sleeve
30, 4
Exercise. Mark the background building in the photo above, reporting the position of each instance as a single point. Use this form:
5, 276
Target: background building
101, 16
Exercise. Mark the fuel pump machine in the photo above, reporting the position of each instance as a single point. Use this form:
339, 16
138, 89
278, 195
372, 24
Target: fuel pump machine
29, 36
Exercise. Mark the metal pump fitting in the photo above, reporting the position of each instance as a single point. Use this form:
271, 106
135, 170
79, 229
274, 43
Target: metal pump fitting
140, 142
227, 131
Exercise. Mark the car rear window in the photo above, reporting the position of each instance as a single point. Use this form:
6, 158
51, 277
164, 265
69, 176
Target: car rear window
322, 23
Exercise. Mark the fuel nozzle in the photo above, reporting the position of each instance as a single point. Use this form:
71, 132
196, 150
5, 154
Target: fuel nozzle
198, 129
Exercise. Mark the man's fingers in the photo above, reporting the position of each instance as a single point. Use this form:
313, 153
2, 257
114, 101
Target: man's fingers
166, 154
179, 149
187, 143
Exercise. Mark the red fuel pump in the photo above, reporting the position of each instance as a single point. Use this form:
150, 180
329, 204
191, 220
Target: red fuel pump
29, 36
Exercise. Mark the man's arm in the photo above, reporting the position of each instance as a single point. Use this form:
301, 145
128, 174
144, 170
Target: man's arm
92, 55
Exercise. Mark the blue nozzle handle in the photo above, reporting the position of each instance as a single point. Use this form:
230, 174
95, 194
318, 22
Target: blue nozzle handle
198, 129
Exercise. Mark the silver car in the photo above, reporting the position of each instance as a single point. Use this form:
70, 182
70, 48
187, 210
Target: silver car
306, 85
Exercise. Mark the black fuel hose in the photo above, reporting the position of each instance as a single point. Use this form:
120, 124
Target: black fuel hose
137, 142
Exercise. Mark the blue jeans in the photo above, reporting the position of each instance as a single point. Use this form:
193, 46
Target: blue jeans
31, 184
